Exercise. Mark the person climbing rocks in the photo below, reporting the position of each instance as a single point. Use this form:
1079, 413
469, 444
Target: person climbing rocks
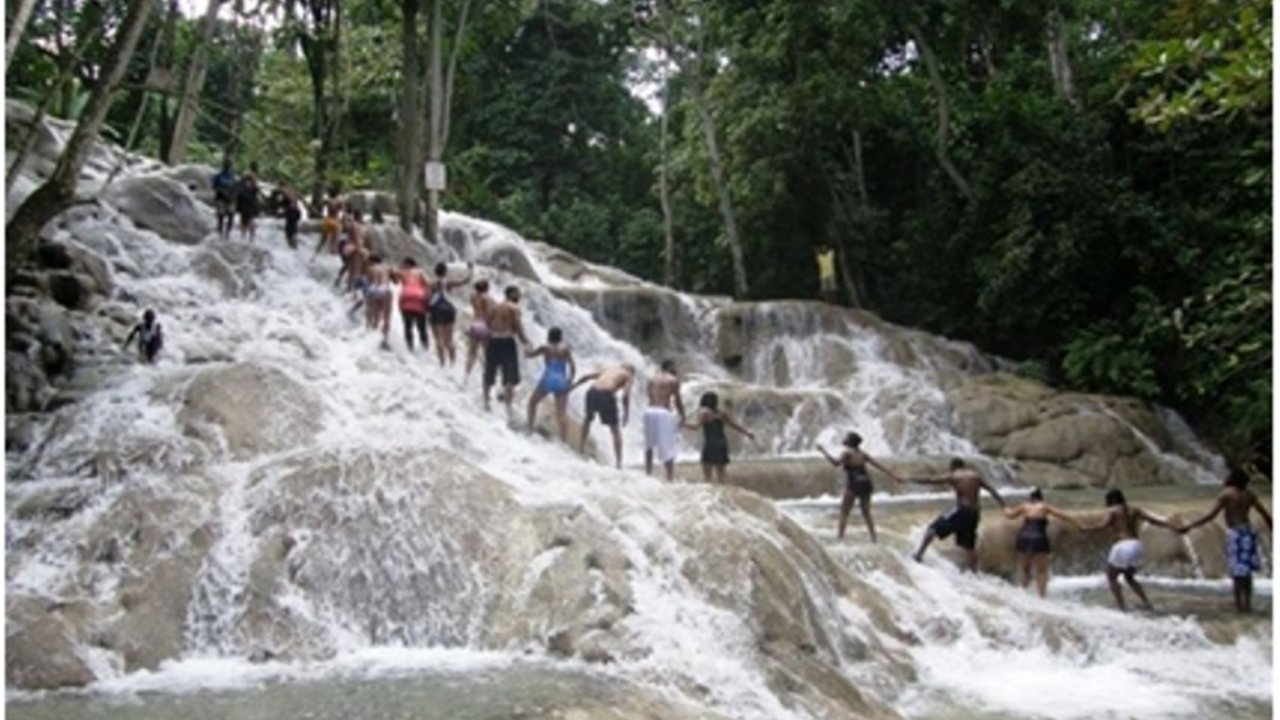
292, 216
557, 377
826, 258
661, 421
1032, 543
248, 205
413, 301
150, 337
442, 314
332, 223
478, 333
961, 520
377, 295
602, 402
224, 196
857, 481
715, 442
1125, 556
1243, 558
505, 326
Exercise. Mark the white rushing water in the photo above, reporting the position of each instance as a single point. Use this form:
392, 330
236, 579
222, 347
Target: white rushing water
977, 642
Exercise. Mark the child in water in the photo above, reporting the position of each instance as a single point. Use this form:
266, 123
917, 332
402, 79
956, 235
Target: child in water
150, 337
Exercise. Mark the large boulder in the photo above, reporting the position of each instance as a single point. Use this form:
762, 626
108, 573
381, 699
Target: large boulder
164, 206
653, 319
235, 267
255, 409
41, 648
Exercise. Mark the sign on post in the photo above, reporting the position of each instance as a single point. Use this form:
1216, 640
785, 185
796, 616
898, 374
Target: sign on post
434, 175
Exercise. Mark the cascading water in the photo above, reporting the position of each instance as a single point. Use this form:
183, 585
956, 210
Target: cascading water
280, 501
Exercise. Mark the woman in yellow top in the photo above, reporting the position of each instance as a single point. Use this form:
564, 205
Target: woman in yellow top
826, 256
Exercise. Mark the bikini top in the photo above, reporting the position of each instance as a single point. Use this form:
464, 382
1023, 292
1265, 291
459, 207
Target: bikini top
856, 472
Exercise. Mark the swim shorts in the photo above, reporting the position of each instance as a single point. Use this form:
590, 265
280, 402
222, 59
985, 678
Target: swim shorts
1125, 555
501, 354
661, 428
1242, 551
603, 403
961, 520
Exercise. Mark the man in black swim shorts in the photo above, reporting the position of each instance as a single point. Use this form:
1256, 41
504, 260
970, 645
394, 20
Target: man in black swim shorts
961, 520
602, 402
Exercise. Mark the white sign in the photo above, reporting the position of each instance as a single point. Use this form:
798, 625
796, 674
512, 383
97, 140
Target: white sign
434, 174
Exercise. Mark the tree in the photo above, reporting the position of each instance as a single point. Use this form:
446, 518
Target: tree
192, 83
58, 192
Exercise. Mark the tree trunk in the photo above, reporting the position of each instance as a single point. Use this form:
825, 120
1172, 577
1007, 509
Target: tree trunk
434, 151
664, 193
16, 27
192, 83
740, 286
441, 102
944, 114
1059, 61
316, 56
410, 115
58, 192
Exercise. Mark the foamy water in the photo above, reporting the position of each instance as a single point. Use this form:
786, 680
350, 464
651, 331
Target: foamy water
983, 643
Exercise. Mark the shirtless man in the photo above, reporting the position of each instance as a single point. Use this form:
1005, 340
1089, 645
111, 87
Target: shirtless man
356, 252
964, 517
1126, 553
602, 400
505, 325
661, 426
1234, 502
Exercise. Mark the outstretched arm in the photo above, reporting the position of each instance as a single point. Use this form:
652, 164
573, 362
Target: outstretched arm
931, 479
1218, 506
1161, 521
585, 379
994, 493
872, 462
132, 333
1015, 513
731, 423
1102, 524
1055, 512
540, 350
827, 455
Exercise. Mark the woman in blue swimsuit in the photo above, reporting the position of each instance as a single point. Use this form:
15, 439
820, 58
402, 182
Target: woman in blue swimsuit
557, 377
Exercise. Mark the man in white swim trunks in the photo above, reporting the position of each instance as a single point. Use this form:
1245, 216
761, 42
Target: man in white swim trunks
661, 425
1126, 553
1235, 501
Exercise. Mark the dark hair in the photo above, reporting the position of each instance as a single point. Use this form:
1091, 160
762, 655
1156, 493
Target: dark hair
1115, 496
482, 286
441, 269
374, 259
356, 215
669, 365
710, 401
512, 292
956, 463
410, 262
1036, 494
555, 335
149, 315
1237, 479
852, 440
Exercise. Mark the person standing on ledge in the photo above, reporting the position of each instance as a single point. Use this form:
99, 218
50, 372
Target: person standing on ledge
857, 481
826, 257
1234, 502
1126, 553
661, 425
224, 198
715, 443
602, 401
961, 520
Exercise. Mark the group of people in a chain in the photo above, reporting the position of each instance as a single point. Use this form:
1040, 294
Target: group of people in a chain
497, 331
1032, 542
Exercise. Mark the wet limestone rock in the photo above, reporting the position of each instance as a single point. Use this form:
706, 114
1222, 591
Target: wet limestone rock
255, 408
653, 319
164, 206
236, 267
40, 647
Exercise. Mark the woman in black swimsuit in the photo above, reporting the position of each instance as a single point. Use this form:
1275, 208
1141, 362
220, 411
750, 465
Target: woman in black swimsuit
857, 481
715, 444
1033, 539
